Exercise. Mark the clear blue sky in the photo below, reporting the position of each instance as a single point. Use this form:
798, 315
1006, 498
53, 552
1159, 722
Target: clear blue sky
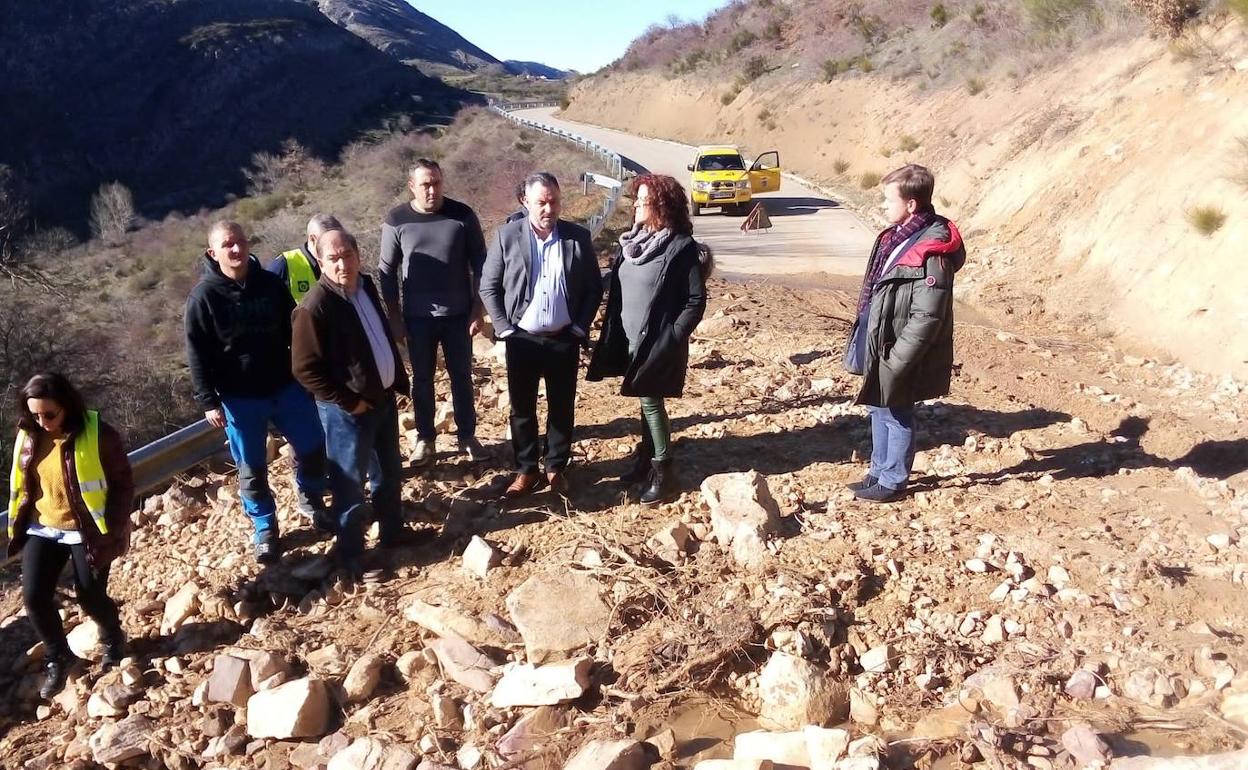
569, 34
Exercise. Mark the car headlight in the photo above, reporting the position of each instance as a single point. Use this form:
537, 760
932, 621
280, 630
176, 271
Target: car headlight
743, 184
702, 186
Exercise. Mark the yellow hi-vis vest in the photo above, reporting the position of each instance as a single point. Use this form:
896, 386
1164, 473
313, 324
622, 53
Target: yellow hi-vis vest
87, 464
298, 273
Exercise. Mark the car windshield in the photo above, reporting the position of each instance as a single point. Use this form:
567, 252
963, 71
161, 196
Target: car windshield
721, 163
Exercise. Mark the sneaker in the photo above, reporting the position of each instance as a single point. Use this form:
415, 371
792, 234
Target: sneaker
867, 481
473, 449
268, 550
424, 453
878, 493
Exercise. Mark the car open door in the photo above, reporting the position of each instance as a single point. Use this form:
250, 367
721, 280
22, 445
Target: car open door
765, 173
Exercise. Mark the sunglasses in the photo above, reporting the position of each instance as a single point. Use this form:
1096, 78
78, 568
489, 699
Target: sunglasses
49, 416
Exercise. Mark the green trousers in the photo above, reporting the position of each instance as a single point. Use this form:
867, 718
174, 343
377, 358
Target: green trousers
656, 427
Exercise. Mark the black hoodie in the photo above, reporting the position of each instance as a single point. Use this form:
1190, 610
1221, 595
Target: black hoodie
238, 334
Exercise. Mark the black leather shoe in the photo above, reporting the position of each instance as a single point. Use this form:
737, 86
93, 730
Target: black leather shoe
878, 493
56, 671
640, 470
867, 481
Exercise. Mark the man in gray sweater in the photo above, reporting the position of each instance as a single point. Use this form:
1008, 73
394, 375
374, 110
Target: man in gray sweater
432, 251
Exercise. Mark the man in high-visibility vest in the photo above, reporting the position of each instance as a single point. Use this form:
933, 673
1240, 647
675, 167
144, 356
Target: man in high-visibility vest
298, 268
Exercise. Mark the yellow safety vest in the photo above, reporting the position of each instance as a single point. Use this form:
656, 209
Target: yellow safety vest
298, 273
87, 464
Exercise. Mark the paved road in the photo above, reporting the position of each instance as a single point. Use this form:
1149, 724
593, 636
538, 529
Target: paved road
811, 232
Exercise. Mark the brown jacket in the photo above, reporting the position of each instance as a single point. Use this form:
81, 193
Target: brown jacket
330, 354
101, 549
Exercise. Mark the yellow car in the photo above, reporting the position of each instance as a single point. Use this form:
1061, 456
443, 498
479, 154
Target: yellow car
721, 178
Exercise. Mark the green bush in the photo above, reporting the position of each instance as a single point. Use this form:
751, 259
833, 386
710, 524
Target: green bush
974, 86
908, 143
1168, 16
864, 64
1240, 7
728, 97
840, 165
1206, 220
773, 30
979, 15
764, 115
868, 180
939, 14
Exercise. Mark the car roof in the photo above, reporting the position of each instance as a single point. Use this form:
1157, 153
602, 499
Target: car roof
718, 149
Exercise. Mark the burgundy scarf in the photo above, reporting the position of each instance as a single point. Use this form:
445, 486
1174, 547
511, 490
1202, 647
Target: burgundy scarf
890, 239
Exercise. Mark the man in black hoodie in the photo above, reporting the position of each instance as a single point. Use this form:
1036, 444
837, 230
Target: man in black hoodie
238, 344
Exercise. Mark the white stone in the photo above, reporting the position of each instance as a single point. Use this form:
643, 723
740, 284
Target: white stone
99, 708
465, 664
782, 748
179, 607
84, 640
444, 622
363, 678
794, 693
976, 565
1235, 760
825, 745
1235, 708
742, 508
446, 713
373, 754
118, 741
480, 557
298, 709
553, 629
877, 660
548, 685
1085, 745
230, 681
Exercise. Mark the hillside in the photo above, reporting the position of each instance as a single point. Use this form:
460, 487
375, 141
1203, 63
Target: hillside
398, 29
172, 98
1085, 158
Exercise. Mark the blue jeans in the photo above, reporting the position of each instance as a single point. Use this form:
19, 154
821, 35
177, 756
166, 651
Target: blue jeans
247, 421
360, 446
892, 444
423, 337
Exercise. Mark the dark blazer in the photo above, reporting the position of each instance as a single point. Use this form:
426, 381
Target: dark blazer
331, 355
658, 368
505, 278
101, 549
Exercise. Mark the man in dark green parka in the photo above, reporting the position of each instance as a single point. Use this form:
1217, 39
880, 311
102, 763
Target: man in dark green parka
902, 342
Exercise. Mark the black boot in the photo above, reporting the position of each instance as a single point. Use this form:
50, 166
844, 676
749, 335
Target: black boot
114, 648
56, 671
662, 484
642, 456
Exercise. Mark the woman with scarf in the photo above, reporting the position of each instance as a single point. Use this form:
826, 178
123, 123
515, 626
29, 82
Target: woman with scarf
71, 492
657, 297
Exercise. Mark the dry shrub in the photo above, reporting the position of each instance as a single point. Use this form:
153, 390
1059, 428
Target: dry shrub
1206, 220
868, 180
1167, 16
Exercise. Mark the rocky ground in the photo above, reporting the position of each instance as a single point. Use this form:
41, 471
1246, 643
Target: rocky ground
1067, 586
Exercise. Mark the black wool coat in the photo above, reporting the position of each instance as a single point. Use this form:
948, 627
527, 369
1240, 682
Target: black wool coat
662, 359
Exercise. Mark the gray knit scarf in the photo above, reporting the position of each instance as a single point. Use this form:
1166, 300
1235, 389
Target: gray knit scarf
641, 244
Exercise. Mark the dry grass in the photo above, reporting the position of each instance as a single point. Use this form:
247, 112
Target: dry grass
868, 180
840, 165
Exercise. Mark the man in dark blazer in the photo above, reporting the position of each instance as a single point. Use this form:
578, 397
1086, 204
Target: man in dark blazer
541, 286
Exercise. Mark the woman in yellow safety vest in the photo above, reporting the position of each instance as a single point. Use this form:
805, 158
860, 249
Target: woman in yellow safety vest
70, 496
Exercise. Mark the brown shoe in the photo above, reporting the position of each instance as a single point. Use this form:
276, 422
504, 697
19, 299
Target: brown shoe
558, 482
523, 484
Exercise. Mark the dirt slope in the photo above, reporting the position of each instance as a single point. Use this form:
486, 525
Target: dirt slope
1072, 182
